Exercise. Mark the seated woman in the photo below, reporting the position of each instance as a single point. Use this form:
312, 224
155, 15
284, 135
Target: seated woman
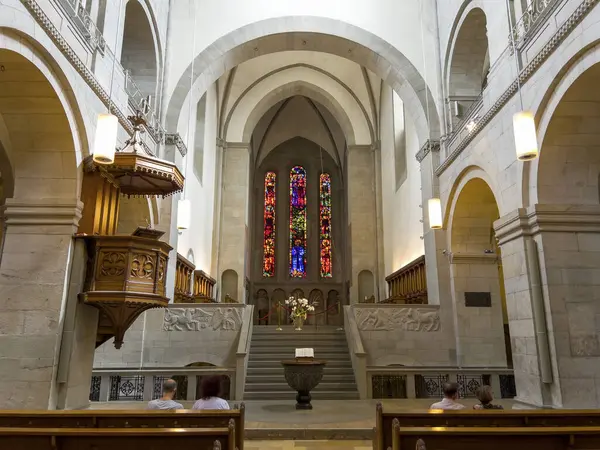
210, 390
485, 397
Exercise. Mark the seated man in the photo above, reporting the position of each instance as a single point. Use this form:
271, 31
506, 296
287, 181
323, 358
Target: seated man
449, 400
166, 401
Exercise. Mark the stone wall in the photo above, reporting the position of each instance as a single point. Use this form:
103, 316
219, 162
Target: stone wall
178, 336
409, 335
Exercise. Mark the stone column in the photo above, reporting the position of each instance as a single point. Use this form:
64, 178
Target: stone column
235, 193
512, 232
362, 215
568, 246
33, 288
437, 265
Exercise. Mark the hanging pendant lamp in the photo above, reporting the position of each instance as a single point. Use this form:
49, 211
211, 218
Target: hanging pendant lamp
105, 141
434, 207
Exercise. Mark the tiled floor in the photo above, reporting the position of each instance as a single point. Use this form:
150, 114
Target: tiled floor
308, 445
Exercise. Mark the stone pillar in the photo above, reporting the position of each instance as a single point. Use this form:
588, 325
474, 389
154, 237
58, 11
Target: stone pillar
33, 287
437, 266
512, 232
362, 215
235, 192
78, 339
568, 245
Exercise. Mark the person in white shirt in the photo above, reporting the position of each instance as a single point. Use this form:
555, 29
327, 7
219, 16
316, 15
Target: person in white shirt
210, 390
166, 401
450, 397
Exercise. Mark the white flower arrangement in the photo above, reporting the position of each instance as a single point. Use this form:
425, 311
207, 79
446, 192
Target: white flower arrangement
299, 307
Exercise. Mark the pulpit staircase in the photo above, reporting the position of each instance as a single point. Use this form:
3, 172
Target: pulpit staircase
265, 380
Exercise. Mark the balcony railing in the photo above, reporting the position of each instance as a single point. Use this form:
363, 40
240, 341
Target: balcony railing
408, 285
80, 17
204, 287
100, 71
184, 271
535, 14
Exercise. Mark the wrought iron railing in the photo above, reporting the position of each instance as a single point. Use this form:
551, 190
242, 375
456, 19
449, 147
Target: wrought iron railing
388, 386
535, 14
182, 386
468, 384
126, 388
430, 386
80, 17
95, 388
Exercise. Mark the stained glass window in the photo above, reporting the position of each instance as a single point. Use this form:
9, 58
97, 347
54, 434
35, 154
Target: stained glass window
269, 226
325, 225
298, 222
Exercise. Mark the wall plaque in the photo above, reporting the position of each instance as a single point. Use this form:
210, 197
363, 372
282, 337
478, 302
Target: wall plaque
478, 299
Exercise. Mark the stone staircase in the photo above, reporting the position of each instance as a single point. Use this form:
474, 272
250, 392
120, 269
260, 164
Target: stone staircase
265, 380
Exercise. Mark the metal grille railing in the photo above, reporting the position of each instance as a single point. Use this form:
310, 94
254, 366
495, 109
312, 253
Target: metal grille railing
389, 386
468, 384
428, 386
126, 388
182, 386
537, 11
95, 388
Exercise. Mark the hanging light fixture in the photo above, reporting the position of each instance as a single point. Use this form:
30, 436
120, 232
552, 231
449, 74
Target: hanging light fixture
526, 145
184, 206
434, 206
525, 136
105, 140
184, 214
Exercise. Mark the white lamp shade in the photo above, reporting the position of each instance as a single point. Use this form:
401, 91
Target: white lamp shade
434, 206
105, 140
184, 214
525, 136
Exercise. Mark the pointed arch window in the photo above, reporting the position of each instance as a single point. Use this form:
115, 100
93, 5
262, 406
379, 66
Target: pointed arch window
298, 222
269, 225
325, 226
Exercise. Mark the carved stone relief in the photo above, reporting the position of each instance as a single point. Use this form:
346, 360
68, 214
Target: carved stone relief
197, 319
397, 319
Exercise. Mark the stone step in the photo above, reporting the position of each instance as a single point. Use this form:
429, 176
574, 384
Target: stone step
291, 395
279, 378
281, 356
278, 371
289, 342
282, 386
291, 351
276, 364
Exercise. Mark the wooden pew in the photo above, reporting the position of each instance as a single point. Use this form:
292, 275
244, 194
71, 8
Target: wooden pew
479, 418
127, 419
216, 438
495, 438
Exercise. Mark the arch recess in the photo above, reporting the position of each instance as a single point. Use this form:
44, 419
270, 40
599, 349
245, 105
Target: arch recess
318, 34
547, 104
468, 174
63, 119
299, 81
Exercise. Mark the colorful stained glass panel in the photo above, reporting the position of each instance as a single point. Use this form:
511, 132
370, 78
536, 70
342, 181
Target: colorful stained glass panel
269, 226
298, 222
325, 226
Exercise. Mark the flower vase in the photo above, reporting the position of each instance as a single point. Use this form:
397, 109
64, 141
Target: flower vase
298, 322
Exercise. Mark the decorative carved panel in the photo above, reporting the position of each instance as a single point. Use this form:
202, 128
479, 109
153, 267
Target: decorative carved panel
200, 319
397, 319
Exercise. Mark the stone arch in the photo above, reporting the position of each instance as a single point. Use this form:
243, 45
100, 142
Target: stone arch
567, 135
140, 51
328, 91
468, 62
229, 284
476, 267
366, 285
33, 56
44, 152
324, 34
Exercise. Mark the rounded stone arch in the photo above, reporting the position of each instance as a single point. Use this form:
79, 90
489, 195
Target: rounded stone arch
547, 104
468, 60
319, 34
143, 61
474, 185
344, 108
63, 126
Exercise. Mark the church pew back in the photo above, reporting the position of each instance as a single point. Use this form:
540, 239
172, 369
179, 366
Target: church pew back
29, 438
496, 438
479, 418
127, 419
